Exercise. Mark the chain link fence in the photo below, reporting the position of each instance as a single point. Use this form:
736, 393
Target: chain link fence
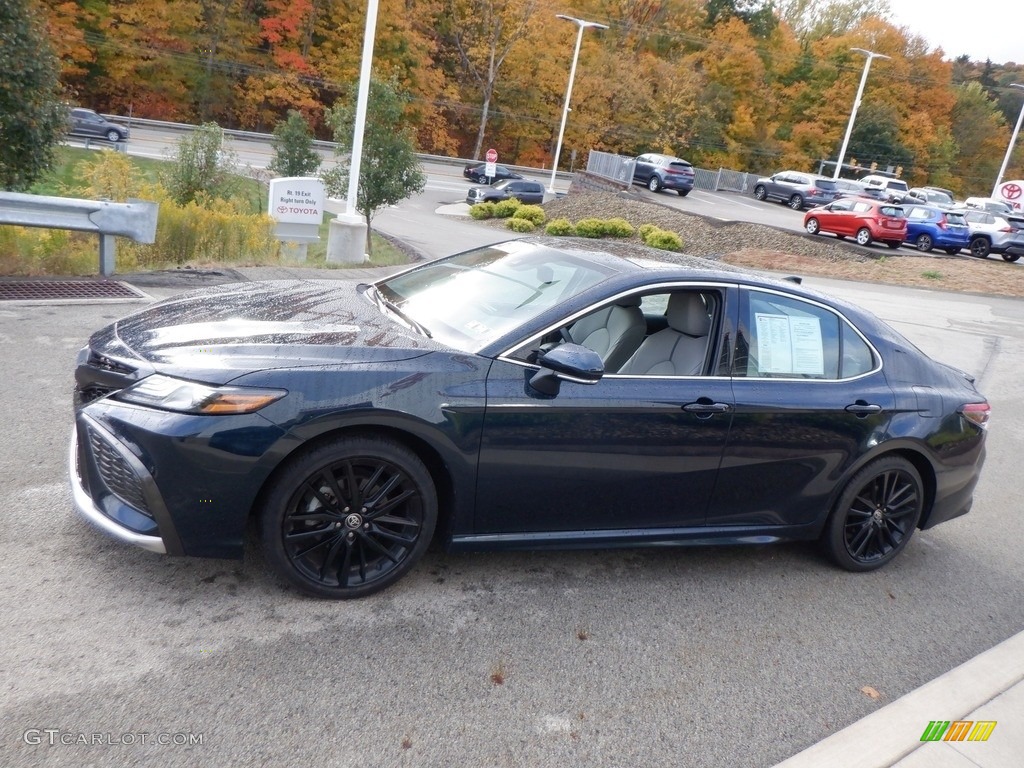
619, 168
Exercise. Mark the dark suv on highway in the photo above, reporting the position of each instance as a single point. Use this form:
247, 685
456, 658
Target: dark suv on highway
796, 189
87, 122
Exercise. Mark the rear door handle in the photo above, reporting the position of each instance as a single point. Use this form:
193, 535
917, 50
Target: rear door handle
705, 407
860, 408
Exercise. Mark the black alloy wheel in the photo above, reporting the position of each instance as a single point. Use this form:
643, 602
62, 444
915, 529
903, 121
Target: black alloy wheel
876, 515
796, 202
349, 518
980, 247
1010, 256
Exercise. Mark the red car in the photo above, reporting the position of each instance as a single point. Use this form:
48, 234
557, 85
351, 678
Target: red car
859, 218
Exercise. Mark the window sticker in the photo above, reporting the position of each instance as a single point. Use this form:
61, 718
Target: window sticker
787, 344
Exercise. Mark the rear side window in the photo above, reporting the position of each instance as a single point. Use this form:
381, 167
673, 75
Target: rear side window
788, 338
900, 185
825, 184
919, 214
956, 218
891, 210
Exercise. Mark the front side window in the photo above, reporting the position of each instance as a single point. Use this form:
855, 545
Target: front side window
788, 338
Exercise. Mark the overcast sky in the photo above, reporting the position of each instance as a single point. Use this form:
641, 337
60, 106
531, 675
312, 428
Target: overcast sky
983, 29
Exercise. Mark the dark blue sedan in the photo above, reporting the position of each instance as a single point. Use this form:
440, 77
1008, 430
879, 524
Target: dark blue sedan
531, 394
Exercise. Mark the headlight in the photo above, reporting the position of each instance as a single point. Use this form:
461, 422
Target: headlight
183, 396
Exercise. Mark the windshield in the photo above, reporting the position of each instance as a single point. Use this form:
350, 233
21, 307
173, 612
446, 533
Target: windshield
472, 299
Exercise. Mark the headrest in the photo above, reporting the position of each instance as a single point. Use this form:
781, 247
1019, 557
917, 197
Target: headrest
628, 301
688, 314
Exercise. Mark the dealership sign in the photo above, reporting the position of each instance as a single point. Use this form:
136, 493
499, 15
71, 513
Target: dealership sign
1012, 193
297, 200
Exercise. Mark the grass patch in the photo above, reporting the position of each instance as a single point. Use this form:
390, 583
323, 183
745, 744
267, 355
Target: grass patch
932, 274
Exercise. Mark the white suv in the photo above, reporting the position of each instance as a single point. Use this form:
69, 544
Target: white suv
895, 189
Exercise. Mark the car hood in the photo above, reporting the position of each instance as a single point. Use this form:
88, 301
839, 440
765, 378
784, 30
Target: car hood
219, 333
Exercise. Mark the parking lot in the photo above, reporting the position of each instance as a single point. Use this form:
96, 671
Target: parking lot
700, 657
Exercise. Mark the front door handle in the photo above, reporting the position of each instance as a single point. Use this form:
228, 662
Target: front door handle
861, 408
705, 407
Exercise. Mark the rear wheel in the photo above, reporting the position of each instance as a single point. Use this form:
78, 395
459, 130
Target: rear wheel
952, 251
875, 516
683, 192
796, 202
863, 236
894, 244
1010, 256
654, 183
980, 247
349, 518
760, 192
812, 226
924, 243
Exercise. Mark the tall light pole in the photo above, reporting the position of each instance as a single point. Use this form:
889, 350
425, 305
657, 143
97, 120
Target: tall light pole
856, 104
568, 91
1009, 149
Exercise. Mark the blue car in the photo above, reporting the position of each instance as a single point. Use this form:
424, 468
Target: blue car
930, 227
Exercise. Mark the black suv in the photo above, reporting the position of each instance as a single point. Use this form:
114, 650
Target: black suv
523, 190
87, 122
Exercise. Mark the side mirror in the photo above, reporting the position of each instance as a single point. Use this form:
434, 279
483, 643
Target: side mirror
566, 362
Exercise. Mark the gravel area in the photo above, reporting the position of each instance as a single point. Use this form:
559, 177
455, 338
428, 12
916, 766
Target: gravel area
756, 246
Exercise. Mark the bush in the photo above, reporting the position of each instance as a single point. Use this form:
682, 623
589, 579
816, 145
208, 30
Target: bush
618, 228
532, 213
506, 208
590, 228
520, 225
482, 211
645, 230
664, 240
559, 227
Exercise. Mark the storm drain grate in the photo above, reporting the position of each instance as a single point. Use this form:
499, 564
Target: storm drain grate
63, 290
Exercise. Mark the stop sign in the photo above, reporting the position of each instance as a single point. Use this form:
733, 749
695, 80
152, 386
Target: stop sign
491, 156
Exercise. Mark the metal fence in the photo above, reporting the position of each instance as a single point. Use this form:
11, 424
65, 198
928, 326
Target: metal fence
620, 168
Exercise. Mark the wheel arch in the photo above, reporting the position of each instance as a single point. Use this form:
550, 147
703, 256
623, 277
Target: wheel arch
431, 457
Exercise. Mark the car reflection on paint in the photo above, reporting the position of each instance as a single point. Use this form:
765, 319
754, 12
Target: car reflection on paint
534, 394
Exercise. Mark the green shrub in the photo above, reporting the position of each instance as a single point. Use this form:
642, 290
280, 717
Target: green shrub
520, 225
590, 228
645, 230
664, 240
505, 208
559, 227
482, 211
618, 228
532, 213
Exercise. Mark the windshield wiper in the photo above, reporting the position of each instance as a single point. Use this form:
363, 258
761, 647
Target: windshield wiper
383, 302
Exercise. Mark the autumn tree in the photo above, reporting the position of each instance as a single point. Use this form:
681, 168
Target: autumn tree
32, 118
389, 171
293, 147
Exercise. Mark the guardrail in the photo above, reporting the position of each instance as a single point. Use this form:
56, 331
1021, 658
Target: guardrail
135, 219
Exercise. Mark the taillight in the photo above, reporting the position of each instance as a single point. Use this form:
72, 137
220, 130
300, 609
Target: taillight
942, 222
977, 413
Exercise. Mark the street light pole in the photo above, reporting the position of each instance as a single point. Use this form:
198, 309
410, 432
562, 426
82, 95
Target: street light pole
856, 104
568, 92
1009, 149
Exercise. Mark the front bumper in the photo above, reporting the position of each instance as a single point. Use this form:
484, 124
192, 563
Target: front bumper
101, 506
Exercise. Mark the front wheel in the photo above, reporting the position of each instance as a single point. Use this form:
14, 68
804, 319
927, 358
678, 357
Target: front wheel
875, 516
796, 203
760, 192
980, 247
923, 243
863, 236
349, 518
654, 183
812, 226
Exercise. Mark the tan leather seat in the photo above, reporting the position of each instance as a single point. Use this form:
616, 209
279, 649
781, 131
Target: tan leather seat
682, 348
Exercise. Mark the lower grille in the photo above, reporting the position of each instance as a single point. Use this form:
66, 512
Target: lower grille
117, 474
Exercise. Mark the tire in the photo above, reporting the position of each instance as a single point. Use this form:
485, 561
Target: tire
980, 247
1011, 257
952, 251
113, 135
796, 202
894, 244
863, 236
654, 183
923, 243
760, 192
349, 518
875, 516
840, 237
812, 226
683, 192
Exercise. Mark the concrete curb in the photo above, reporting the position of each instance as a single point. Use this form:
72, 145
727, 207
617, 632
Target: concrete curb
885, 737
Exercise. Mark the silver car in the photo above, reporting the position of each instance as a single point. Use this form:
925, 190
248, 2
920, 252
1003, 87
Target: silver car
796, 189
994, 233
